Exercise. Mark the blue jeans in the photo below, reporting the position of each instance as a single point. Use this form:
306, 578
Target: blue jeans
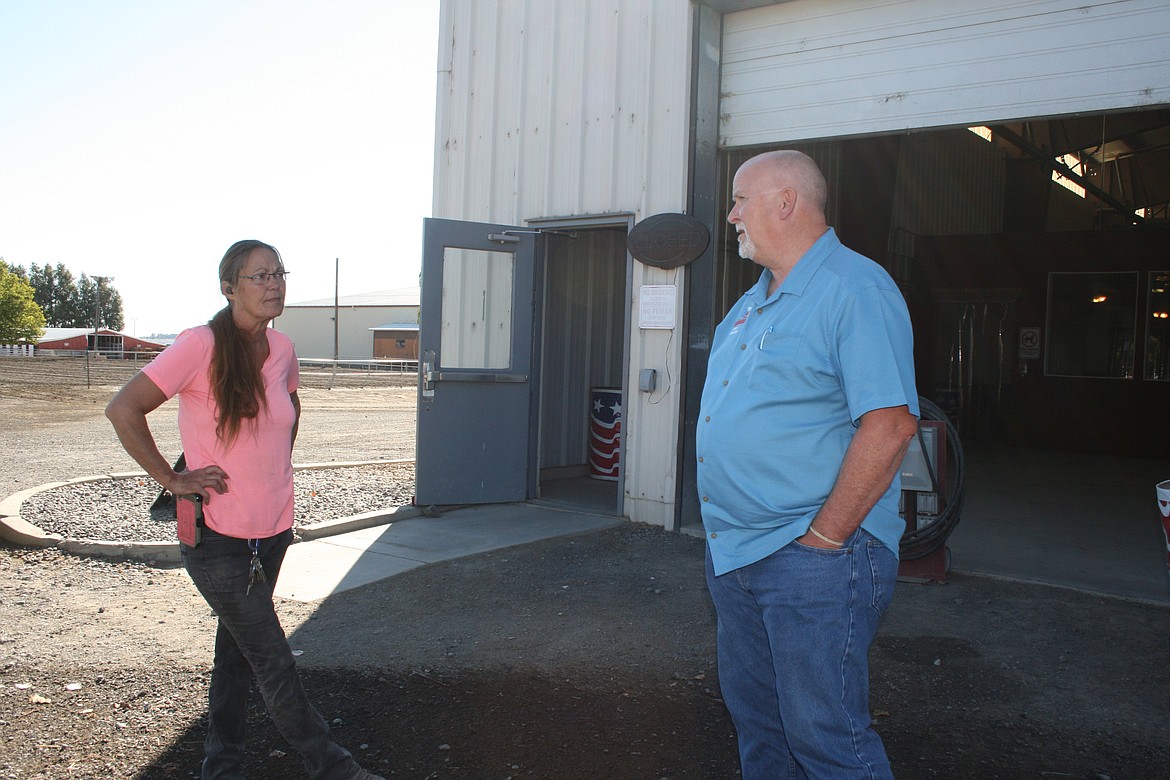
251, 642
794, 631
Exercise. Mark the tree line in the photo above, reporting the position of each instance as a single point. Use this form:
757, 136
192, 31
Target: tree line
51, 297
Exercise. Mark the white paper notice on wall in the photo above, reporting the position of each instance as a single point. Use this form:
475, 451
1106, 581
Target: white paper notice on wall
656, 304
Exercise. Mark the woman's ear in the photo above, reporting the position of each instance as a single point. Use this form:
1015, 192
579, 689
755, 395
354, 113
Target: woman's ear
226, 289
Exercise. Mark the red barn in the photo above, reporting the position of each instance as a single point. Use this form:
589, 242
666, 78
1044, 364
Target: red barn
110, 343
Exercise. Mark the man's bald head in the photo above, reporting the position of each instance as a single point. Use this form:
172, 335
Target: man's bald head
778, 209
789, 168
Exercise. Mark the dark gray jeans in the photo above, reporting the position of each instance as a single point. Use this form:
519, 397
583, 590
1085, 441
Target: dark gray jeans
251, 642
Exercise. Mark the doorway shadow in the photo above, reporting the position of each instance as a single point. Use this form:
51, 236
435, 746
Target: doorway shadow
582, 494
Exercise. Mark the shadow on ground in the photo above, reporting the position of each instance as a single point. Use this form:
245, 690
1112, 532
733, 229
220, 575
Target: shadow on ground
593, 656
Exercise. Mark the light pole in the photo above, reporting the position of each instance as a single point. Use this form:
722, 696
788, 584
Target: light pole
97, 319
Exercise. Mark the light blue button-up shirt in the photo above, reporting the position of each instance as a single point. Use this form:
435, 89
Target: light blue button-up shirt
788, 379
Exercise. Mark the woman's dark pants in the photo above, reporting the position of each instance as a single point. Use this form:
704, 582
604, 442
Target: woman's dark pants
251, 642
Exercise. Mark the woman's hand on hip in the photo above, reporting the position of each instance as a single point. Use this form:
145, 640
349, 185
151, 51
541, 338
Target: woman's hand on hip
201, 481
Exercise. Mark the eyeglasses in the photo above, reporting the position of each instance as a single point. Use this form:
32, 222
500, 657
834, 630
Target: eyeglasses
264, 276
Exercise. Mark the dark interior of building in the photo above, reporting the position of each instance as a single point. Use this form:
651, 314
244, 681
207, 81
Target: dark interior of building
1052, 232
1035, 260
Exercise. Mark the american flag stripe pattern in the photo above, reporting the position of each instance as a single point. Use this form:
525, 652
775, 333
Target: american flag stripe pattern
605, 434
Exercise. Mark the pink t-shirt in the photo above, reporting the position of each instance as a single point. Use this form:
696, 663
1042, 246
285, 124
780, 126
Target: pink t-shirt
259, 500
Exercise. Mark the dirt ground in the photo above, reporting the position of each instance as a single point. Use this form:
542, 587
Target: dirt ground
583, 657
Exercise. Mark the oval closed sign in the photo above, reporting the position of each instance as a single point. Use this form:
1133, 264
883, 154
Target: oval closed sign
668, 240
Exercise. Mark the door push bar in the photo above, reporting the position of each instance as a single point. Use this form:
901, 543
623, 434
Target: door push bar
430, 376
511, 236
472, 376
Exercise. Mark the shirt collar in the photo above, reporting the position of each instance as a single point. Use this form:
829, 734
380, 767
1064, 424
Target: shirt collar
804, 270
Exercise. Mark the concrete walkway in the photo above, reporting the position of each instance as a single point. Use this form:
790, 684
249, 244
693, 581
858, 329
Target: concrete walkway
315, 569
349, 552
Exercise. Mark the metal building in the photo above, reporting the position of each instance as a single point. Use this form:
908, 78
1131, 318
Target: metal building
350, 323
991, 156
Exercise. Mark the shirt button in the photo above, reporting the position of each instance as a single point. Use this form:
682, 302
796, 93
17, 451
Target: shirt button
759, 311
725, 383
713, 534
705, 498
700, 459
743, 346
707, 418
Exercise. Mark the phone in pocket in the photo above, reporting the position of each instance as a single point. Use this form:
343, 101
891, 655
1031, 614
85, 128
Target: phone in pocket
189, 511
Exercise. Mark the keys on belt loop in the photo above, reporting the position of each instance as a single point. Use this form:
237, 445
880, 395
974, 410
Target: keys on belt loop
255, 568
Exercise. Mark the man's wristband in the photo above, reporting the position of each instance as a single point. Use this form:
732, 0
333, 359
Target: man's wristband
824, 538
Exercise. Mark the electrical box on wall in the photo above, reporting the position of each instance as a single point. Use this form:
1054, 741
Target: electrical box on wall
923, 471
647, 380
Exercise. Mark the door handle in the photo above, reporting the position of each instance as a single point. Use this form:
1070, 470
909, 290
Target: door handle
429, 375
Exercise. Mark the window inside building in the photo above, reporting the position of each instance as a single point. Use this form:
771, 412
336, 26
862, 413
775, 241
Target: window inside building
1092, 319
1157, 362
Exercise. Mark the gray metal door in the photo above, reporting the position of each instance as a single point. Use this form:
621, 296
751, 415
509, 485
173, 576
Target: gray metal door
476, 364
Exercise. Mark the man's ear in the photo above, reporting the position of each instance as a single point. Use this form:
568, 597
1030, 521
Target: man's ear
787, 201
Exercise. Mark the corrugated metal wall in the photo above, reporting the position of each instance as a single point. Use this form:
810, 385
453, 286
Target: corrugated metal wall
560, 108
948, 183
815, 69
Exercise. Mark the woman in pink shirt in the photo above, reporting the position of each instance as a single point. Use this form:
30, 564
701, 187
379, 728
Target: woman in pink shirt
236, 380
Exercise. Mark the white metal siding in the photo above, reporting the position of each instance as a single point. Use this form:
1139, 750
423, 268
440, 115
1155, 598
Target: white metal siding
558, 108
561, 107
816, 69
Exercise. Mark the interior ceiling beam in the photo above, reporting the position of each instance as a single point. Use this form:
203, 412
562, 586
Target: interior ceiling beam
1051, 162
1084, 133
1143, 176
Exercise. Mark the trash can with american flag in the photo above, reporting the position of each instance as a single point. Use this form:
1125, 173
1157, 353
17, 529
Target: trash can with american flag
605, 432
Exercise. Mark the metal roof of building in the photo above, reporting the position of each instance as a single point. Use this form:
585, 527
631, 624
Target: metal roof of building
397, 326
57, 334
402, 296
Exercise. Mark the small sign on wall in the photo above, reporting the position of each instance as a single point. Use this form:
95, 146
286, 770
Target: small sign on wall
668, 240
1029, 343
656, 303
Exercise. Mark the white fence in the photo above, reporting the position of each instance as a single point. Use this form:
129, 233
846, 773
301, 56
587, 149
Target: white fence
367, 366
17, 350
60, 367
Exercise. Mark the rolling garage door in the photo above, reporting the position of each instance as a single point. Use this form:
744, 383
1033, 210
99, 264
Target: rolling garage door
809, 69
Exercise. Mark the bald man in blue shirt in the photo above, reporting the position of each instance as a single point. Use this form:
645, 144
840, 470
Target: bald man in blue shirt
807, 411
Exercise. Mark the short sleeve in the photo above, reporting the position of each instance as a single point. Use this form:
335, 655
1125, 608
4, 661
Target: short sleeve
875, 351
177, 367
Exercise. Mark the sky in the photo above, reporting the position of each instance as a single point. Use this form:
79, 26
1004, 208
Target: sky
139, 139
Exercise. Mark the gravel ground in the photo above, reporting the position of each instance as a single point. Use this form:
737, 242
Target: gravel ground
118, 510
